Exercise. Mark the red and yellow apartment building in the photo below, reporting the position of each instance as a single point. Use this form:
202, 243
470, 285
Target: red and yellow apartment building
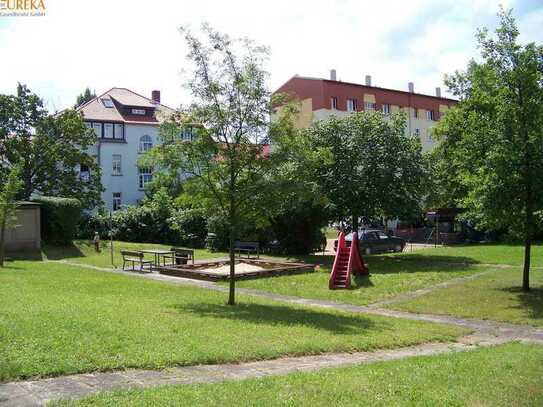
321, 98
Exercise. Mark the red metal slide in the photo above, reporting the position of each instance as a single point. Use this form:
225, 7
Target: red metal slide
348, 261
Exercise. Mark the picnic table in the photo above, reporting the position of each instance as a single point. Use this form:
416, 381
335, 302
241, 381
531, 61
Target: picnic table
157, 253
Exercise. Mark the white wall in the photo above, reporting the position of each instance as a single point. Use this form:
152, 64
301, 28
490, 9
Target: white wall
127, 183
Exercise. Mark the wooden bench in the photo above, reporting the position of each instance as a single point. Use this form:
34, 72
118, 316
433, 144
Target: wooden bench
179, 256
134, 257
247, 247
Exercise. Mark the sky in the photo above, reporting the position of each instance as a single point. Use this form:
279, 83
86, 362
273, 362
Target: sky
137, 45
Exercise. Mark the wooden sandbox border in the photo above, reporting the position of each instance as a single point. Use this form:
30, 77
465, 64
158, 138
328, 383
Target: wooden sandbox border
192, 270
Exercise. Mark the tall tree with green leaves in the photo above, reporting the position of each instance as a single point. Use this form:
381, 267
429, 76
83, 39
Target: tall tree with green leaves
370, 168
226, 161
84, 97
492, 141
8, 206
50, 148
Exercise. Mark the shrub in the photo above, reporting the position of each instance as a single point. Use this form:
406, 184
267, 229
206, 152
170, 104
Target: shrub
155, 221
299, 230
190, 225
59, 219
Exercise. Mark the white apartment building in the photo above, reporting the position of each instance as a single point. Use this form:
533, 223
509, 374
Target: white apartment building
127, 125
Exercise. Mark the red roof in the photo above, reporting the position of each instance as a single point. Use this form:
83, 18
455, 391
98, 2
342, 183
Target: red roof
121, 98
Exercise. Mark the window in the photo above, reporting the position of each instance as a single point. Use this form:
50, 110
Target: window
84, 173
116, 201
187, 134
417, 132
146, 143
333, 102
351, 105
429, 115
108, 130
386, 108
107, 102
140, 112
118, 131
145, 176
97, 129
369, 106
415, 112
116, 164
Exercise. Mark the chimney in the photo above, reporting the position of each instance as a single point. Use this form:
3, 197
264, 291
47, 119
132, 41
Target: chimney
438, 92
332, 74
411, 86
368, 80
155, 95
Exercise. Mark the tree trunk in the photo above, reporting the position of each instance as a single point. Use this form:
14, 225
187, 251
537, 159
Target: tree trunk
232, 231
355, 223
232, 291
528, 227
2, 237
526, 271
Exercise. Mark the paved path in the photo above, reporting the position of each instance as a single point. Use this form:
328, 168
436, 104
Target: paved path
39, 392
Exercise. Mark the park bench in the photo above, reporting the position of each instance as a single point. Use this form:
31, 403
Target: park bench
179, 256
134, 257
247, 247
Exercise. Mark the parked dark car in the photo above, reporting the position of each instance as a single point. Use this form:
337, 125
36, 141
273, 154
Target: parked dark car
374, 241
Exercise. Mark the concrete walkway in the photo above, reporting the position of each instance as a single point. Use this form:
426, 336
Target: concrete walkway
39, 392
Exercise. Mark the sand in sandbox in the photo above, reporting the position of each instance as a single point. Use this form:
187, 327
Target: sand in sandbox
240, 268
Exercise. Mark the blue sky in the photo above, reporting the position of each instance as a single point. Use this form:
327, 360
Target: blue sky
136, 44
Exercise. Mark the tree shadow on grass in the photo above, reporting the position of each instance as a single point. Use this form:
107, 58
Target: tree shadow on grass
286, 316
62, 252
531, 301
361, 281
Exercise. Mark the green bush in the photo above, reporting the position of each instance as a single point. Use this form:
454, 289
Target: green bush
299, 230
59, 219
156, 220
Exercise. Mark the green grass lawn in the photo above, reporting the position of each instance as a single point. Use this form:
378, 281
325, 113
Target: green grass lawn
58, 319
507, 375
496, 296
389, 277
82, 251
489, 253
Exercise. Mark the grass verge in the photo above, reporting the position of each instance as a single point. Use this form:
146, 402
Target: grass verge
507, 375
57, 319
389, 277
496, 296
82, 251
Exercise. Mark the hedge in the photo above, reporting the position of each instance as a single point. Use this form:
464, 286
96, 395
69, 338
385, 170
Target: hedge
59, 219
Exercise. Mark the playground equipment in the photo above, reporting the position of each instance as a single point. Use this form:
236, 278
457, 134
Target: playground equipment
348, 261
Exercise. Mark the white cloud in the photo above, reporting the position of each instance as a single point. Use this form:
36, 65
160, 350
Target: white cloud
136, 44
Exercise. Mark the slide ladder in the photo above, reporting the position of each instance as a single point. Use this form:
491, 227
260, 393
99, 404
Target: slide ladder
348, 261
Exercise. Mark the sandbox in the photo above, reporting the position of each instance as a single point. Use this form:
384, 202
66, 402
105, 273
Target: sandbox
245, 269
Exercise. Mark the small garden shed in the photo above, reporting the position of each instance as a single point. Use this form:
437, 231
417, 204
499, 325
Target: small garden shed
26, 235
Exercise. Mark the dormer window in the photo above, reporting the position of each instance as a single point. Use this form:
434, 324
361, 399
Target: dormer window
107, 102
140, 112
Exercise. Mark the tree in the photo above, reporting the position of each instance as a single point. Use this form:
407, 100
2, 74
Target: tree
231, 104
492, 141
8, 206
370, 169
51, 148
84, 97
